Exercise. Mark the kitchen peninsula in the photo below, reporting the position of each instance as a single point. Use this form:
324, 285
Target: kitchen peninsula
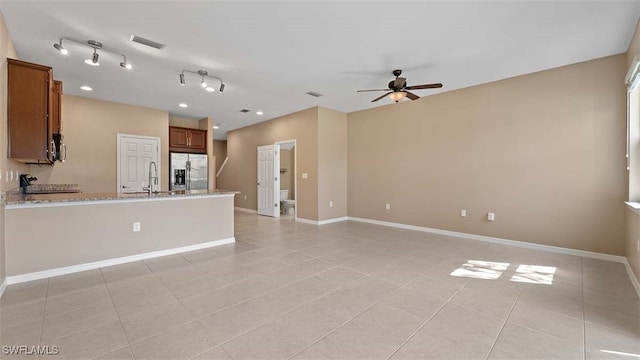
54, 234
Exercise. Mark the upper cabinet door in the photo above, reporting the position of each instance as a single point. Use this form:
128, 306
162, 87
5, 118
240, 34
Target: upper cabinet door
198, 140
178, 137
28, 91
56, 107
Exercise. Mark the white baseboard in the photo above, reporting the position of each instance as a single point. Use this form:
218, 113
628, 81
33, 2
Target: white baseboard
323, 222
306, 221
15, 279
251, 211
632, 277
334, 220
528, 245
3, 287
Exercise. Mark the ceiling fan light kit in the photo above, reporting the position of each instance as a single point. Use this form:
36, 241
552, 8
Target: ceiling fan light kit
202, 74
95, 56
397, 89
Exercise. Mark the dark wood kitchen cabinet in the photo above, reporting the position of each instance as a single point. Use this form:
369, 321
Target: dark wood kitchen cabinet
187, 140
33, 111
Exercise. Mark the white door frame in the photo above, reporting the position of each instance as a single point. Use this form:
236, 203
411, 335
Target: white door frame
295, 175
119, 137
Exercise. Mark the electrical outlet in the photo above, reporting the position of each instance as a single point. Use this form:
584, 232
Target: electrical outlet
305, 175
136, 226
388, 206
330, 203
491, 216
463, 213
245, 197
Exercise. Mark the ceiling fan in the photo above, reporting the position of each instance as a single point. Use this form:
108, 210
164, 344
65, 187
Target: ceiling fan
398, 88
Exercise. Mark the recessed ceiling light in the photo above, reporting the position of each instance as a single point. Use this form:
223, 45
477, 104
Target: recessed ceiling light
183, 105
210, 89
216, 126
86, 88
259, 113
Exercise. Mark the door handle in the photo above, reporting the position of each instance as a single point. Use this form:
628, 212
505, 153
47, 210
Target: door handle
125, 187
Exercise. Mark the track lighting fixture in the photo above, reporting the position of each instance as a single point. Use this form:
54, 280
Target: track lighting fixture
95, 45
61, 48
203, 74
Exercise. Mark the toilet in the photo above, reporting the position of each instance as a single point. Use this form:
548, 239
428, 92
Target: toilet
286, 206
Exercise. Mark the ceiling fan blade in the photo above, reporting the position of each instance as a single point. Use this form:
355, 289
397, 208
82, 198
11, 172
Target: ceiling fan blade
399, 83
412, 96
378, 98
372, 90
425, 86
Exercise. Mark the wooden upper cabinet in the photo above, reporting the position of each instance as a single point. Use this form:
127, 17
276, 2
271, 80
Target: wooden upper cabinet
187, 140
29, 87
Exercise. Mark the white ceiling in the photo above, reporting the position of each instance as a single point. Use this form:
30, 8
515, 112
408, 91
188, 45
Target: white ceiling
270, 53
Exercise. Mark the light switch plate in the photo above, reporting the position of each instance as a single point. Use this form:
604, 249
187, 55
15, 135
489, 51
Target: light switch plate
136, 226
305, 175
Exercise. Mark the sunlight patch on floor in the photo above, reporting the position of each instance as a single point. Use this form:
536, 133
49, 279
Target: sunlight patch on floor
479, 269
534, 274
490, 270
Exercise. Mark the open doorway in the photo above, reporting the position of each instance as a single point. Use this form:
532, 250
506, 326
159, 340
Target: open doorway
288, 183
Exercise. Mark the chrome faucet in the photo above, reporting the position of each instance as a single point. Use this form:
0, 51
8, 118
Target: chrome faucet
153, 180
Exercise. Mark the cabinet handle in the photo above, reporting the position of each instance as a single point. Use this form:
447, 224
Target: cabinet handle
65, 152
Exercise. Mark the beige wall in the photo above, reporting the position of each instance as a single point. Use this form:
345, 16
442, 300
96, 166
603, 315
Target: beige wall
633, 219
184, 122
240, 172
287, 178
90, 128
220, 152
78, 238
544, 152
6, 50
332, 164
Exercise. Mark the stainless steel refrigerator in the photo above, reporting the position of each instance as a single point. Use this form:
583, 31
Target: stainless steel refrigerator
188, 171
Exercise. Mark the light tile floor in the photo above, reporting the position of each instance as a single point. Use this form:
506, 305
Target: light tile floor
348, 290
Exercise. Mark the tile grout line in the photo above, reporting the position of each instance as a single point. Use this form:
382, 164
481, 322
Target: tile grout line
44, 313
506, 319
118, 315
428, 319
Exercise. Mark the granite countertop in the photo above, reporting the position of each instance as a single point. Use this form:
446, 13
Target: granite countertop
19, 199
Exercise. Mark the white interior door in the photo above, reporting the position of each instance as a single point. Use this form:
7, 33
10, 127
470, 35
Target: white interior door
135, 153
268, 180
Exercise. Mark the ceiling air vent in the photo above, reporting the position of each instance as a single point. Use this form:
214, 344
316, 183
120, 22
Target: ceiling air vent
147, 42
314, 94
245, 110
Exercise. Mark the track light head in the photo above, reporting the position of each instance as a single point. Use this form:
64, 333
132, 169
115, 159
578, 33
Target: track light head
221, 87
182, 82
61, 48
124, 63
203, 83
94, 59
